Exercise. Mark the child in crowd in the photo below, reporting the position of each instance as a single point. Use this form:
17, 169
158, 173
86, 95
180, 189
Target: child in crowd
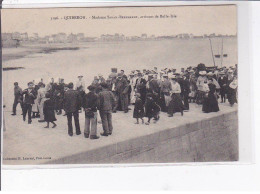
152, 110
49, 111
139, 109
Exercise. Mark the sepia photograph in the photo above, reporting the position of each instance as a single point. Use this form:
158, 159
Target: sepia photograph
128, 85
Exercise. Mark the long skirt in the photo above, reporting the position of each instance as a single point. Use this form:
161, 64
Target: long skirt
210, 104
35, 106
231, 95
162, 103
175, 104
138, 113
49, 116
132, 97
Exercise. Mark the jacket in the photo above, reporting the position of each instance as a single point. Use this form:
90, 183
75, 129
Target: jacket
71, 101
90, 101
30, 96
106, 101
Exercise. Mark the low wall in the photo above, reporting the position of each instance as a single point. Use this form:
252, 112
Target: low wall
208, 140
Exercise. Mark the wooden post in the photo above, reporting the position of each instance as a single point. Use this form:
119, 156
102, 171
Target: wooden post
212, 53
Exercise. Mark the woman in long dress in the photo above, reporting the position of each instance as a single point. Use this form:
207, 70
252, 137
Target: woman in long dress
232, 90
175, 104
210, 103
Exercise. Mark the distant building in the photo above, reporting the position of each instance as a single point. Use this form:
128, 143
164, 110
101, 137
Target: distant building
80, 36
6, 36
36, 36
59, 38
135, 38
16, 36
152, 37
144, 36
90, 39
24, 36
8, 41
72, 38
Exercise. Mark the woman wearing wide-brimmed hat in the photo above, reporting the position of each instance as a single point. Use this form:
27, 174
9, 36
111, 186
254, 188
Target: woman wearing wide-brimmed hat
210, 103
175, 105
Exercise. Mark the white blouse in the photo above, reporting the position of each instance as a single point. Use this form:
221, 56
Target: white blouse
176, 88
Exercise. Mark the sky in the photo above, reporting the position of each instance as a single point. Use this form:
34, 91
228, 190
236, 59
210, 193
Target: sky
197, 20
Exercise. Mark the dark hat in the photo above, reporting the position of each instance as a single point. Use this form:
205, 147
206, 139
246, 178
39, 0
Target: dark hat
47, 95
104, 85
29, 83
16, 83
149, 95
91, 88
114, 70
70, 85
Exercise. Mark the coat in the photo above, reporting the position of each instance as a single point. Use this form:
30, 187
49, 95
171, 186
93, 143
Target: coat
30, 96
106, 101
154, 86
151, 108
166, 86
121, 86
48, 111
139, 109
210, 103
90, 101
71, 101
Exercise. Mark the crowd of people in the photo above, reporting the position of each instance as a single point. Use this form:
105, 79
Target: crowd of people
150, 91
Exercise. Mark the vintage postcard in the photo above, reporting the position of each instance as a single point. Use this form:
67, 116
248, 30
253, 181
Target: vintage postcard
120, 85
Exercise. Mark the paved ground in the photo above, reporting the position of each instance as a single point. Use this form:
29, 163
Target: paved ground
34, 144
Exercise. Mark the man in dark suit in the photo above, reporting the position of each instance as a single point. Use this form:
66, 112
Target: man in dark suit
29, 97
17, 97
71, 107
185, 90
122, 92
222, 80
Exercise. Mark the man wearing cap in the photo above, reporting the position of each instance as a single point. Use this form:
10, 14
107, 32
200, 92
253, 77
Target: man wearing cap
61, 87
165, 96
29, 97
122, 92
90, 103
113, 74
18, 97
106, 105
185, 90
101, 79
80, 87
222, 80
71, 107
